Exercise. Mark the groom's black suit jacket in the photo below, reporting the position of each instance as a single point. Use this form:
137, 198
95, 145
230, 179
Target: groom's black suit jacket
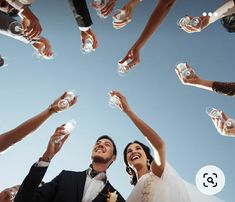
68, 186
81, 12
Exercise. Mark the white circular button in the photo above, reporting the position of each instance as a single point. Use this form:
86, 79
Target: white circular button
210, 180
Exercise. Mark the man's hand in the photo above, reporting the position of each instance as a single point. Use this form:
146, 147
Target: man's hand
32, 27
56, 142
123, 102
202, 25
89, 34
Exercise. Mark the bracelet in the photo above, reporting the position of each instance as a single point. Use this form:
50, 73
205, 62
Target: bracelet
51, 109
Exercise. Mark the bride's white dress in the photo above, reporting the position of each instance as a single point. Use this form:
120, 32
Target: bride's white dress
169, 188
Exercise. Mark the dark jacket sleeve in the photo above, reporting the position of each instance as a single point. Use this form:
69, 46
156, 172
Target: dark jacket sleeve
29, 191
226, 88
81, 12
5, 21
120, 198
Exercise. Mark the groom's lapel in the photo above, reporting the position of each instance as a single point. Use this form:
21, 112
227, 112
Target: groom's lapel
81, 180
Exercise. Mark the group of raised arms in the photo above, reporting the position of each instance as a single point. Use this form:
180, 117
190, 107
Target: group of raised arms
28, 29
152, 177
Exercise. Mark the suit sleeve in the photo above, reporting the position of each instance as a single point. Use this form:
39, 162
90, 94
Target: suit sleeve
29, 191
16, 4
120, 198
81, 13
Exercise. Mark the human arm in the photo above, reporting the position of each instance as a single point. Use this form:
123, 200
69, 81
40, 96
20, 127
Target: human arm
29, 191
155, 140
194, 80
81, 13
227, 8
15, 135
160, 12
31, 24
225, 88
84, 21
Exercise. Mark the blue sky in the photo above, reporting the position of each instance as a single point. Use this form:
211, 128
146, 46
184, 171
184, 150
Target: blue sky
152, 88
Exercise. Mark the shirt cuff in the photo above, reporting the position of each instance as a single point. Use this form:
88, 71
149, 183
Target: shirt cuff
84, 29
16, 4
42, 164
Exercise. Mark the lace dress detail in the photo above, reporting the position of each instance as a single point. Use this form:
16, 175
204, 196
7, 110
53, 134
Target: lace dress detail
170, 187
146, 191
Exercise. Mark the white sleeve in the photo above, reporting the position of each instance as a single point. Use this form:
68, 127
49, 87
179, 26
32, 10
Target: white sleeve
16, 4
84, 29
42, 164
225, 9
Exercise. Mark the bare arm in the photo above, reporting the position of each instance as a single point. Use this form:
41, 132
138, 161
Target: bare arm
194, 80
158, 15
13, 136
155, 140
225, 88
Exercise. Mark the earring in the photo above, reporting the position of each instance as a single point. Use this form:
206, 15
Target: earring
148, 163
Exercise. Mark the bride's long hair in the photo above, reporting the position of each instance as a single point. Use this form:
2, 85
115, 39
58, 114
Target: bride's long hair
131, 172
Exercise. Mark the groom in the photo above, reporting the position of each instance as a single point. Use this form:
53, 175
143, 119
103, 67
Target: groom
69, 186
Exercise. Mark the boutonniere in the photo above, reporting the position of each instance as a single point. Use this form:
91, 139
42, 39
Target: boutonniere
112, 196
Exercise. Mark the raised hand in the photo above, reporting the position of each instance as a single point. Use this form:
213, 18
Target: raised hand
225, 127
108, 8
191, 80
132, 58
123, 102
56, 142
190, 28
54, 107
89, 34
32, 27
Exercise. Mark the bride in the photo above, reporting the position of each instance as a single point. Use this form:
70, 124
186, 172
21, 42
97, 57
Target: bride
154, 179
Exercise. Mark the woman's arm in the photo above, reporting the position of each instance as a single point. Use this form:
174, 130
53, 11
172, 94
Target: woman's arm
160, 12
155, 140
13, 136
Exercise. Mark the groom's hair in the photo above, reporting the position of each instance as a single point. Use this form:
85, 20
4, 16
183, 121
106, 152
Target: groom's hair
111, 140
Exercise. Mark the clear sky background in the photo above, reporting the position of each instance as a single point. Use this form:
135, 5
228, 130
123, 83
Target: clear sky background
175, 111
